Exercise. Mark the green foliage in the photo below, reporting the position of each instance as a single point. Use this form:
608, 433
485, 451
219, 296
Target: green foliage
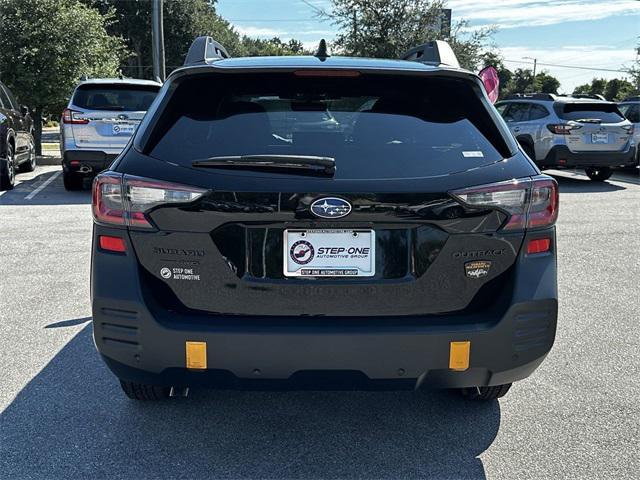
521, 80
47, 45
183, 21
258, 47
388, 28
492, 59
546, 83
383, 28
634, 70
616, 89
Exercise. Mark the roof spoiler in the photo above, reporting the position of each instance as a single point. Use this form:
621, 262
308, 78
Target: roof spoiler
593, 96
435, 52
205, 50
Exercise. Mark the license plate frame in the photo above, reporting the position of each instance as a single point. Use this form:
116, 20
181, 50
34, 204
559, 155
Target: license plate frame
599, 138
326, 260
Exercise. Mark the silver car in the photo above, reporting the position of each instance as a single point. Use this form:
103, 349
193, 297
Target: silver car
98, 123
570, 132
630, 108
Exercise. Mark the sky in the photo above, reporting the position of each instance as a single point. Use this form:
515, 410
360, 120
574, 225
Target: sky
596, 34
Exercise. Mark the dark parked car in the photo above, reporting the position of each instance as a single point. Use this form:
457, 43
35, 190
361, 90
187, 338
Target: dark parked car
17, 150
418, 250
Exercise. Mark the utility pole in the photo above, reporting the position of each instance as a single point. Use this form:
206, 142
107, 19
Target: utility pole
157, 41
533, 79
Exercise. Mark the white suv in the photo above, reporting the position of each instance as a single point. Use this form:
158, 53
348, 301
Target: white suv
570, 132
98, 123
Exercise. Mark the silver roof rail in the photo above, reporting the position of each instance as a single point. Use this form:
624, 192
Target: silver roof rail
205, 50
435, 52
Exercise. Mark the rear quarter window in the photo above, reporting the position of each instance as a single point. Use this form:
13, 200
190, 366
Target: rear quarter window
604, 112
375, 126
115, 97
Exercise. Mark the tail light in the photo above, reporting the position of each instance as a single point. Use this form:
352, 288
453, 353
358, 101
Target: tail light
125, 200
629, 129
529, 202
563, 128
71, 117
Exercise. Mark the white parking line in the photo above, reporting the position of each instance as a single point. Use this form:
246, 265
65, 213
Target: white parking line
43, 186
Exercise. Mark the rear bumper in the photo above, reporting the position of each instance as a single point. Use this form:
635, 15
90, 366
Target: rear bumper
561, 156
87, 162
141, 344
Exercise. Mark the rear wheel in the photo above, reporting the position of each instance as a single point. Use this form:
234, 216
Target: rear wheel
486, 393
8, 170
71, 181
599, 174
30, 165
140, 391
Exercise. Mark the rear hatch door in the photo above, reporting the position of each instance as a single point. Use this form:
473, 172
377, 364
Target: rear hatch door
111, 113
600, 127
380, 236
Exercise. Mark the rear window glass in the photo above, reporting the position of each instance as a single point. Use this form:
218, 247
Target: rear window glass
132, 98
604, 112
374, 126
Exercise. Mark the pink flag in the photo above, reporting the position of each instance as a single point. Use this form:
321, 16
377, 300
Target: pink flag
489, 76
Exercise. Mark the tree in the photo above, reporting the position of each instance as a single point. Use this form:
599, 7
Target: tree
522, 81
546, 83
274, 46
634, 70
615, 90
47, 45
184, 20
492, 59
388, 28
618, 89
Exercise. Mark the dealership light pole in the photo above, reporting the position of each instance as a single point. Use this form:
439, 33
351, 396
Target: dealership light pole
157, 41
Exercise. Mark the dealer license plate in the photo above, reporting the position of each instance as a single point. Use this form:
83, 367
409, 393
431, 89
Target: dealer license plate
599, 138
123, 129
329, 253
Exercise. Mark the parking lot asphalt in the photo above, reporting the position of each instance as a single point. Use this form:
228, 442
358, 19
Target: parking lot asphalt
63, 414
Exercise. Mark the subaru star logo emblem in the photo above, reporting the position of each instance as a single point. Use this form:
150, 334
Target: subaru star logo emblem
330, 207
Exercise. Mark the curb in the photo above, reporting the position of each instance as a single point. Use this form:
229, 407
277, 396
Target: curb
47, 160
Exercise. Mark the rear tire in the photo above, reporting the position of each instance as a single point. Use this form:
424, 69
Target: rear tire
140, 391
599, 174
8, 170
483, 394
30, 165
71, 181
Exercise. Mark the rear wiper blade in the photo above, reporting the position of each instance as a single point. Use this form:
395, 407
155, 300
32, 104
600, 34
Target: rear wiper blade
296, 164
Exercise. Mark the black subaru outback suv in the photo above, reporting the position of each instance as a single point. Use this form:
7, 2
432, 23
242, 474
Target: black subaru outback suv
241, 241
